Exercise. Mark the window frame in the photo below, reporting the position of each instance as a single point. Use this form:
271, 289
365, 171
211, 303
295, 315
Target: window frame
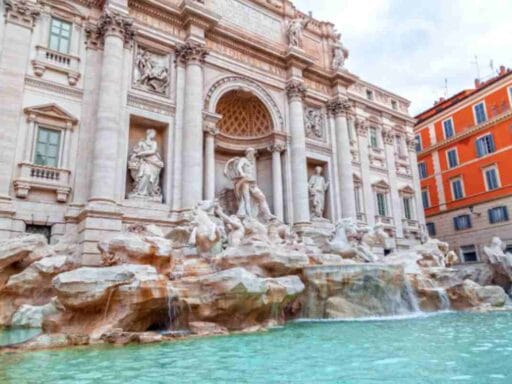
377, 141
427, 194
384, 201
486, 118
456, 225
509, 93
450, 119
452, 182
369, 94
505, 216
409, 206
418, 143
60, 147
493, 167
461, 253
394, 105
431, 225
478, 138
454, 149
422, 165
69, 38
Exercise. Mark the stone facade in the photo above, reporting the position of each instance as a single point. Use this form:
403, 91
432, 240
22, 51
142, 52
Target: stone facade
85, 80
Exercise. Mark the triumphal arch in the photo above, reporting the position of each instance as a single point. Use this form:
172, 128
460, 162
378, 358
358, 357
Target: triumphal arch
118, 112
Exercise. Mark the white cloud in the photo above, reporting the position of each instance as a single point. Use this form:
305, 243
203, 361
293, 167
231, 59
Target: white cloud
410, 47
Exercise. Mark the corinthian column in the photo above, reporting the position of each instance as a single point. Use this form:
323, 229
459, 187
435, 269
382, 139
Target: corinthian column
192, 55
210, 131
339, 107
116, 31
277, 179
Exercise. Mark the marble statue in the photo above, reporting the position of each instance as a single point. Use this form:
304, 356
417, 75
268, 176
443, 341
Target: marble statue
295, 28
234, 226
339, 54
152, 74
341, 242
495, 252
145, 165
313, 123
317, 189
206, 235
250, 198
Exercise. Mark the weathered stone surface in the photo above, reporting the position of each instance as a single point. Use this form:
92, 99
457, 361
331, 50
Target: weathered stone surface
204, 328
469, 294
31, 316
15, 249
356, 290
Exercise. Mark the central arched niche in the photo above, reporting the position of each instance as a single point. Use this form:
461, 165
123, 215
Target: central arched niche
245, 122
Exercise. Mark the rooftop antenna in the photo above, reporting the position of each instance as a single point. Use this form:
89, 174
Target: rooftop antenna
445, 87
477, 67
491, 64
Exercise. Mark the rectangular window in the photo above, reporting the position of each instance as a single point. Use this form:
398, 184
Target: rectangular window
381, 204
369, 94
457, 189
480, 116
47, 147
498, 214
485, 145
491, 178
431, 228
374, 142
357, 195
398, 145
453, 160
60, 35
45, 230
407, 208
462, 222
422, 169
468, 253
425, 198
394, 104
448, 128
417, 140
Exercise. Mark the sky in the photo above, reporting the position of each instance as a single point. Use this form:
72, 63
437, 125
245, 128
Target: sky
410, 47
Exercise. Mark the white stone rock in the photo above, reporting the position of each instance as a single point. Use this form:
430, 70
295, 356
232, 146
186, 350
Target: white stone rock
31, 316
15, 249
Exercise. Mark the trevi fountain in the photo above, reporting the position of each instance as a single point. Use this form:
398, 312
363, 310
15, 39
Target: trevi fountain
225, 207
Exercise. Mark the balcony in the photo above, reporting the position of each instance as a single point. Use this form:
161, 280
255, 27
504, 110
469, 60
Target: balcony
40, 177
411, 224
48, 59
386, 220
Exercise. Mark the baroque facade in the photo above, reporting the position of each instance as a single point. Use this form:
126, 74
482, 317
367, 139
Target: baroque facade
121, 111
464, 157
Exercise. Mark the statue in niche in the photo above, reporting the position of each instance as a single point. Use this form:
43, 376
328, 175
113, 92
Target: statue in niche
145, 165
314, 123
152, 71
295, 28
339, 53
251, 200
317, 189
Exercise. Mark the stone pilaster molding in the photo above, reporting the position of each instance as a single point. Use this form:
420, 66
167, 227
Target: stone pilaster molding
339, 106
295, 89
191, 52
93, 36
361, 127
114, 23
22, 12
411, 143
211, 129
277, 147
388, 136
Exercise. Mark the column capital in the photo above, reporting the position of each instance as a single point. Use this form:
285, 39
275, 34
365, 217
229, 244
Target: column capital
388, 136
295, 89
361, 127
338, 106
210, 128
191, 52
115, 23
22, 12
277, 147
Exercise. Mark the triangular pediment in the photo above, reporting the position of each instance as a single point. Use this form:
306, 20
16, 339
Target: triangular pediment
381, 184
51, 111
407, 190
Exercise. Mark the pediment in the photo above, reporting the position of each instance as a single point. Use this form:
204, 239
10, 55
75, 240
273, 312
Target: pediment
381, 184
407, 190
51, 112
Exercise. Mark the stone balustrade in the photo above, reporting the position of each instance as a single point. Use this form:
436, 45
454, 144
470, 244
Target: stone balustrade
48, 59
34, 176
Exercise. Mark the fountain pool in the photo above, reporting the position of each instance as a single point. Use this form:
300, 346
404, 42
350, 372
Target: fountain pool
442, 348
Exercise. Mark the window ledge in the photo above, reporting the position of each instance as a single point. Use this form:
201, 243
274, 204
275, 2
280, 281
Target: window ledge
32, 176
386, 220
48, 59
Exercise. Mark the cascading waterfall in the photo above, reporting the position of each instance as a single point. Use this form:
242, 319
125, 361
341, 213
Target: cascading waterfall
444, 300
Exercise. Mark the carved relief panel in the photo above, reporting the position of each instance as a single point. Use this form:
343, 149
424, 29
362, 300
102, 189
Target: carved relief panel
314, 123
151, 71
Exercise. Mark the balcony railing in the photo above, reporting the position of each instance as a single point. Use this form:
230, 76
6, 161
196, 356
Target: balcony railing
49, 59
33, 176
386, 220
411, 224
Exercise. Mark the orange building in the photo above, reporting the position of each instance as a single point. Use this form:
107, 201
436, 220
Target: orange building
464, 147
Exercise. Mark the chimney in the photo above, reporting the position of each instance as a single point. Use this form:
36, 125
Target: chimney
503, 70
477, 83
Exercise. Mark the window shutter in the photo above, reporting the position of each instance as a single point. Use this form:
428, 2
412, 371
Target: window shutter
469, 221
491, 216
456, 223
479, 148
492, 146
505, 213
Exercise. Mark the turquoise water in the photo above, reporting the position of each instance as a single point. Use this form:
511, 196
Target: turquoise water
17, 335
446, 348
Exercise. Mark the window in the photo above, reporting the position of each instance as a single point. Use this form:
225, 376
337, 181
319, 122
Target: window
394, 104
498, 214
369, 94
408, 208
448, 128
462, 222
47, 147
398, 145
357, 195
491, 178
417, 140
374, 140
381, 204
485, 145
425, 198
457, 189
468, 253
508, 247
431, 228
480, 115
453, 159
60, 35
45, 230
422, 169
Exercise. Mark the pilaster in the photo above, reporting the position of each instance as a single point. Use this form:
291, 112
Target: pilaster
369, 201
277, 178
396, 202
